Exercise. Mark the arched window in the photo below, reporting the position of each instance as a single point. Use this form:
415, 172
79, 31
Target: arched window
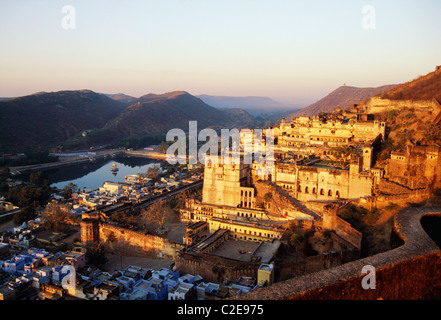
314, 190
330, 192
306, 190
322, 192
337, 194
299, 189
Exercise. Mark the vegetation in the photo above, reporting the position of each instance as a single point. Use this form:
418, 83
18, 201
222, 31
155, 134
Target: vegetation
358, 215
422, 88
28, 195
33, 157
4, 175
96, 255
432, 133
25, 214
45, 120
352, 213
158, 212
69, 190
139, 142
153, 172
343, 155
56, 216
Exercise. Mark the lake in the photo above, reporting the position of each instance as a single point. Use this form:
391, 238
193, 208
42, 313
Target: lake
92, 175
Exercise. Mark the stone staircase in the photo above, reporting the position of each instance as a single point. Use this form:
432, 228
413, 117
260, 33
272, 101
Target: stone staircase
294, 202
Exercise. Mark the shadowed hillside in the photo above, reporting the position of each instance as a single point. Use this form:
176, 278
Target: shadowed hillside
153, 115
44, 119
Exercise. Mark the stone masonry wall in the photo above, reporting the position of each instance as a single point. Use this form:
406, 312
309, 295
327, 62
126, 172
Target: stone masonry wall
215, 269
411, 271
97, 231
144, 241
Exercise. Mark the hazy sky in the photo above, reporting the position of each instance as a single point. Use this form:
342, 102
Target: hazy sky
293, 51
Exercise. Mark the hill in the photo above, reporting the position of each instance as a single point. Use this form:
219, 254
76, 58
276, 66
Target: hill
412, 111
156, 114
343, 97
121, 97
45, 119
424, 87
241, 102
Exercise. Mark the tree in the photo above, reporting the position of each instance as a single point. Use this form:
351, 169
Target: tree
39, 178
25, 214
267, 197
432, 133
157, 212
153, 172
4, 173
55, 216
95, 254
295, 240
343, 156
67, 193
28, 195
179, 201
163, 146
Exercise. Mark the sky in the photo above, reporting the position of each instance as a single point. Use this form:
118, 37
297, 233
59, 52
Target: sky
295, 52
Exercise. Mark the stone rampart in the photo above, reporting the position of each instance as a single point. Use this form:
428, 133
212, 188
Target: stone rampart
377, 104
381, 201
213, 268
102, 232
411, 271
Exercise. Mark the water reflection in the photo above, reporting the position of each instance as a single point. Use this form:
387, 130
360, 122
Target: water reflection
92, 175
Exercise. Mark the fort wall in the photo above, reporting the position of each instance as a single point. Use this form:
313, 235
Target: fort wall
381, 201
97, 231
411, 271
377, 104
213, 268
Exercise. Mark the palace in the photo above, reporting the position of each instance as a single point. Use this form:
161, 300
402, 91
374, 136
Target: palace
256, 201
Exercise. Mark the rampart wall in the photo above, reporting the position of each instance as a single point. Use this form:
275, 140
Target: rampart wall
149, 243
411, 271
381, 201
377, 104
213, 268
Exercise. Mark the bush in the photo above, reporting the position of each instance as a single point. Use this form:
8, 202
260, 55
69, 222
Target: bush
391, 206
25, 214
352, 213
392, 114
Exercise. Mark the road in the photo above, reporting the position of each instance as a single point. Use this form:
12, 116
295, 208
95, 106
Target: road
111, 209
66, 161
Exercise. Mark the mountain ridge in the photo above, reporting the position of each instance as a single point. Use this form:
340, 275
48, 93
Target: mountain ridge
42, 119
243, 102
343, 97
425, 87
83, 118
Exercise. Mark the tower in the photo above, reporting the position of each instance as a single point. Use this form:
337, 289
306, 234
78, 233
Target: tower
367, 158
89, 230
222, 183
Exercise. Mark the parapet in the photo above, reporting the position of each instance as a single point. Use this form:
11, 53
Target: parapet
410, 271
